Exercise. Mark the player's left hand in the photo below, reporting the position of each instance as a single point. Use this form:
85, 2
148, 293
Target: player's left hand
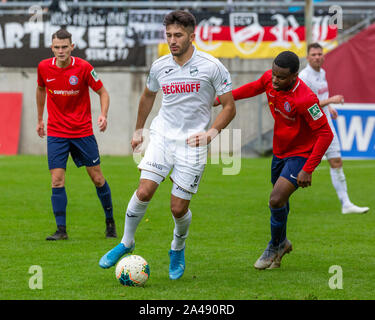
333, 112
201, 138
216, 103
102, 123
304, 179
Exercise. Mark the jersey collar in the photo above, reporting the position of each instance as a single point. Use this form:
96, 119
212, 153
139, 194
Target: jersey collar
310, 69
296, 85
72, 62
187, 62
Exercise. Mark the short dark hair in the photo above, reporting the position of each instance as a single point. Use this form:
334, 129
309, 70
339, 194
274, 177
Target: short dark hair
287, 59
62, 34
314, 45
181, 17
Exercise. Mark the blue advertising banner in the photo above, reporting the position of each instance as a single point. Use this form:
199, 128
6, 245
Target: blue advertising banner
355, 127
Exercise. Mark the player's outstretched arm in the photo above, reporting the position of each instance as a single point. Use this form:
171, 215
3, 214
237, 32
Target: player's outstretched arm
40, 101
248, 90
222, 120
104, 106
146, 103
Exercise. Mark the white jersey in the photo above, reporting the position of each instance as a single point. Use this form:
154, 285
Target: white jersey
188, 93
316, 81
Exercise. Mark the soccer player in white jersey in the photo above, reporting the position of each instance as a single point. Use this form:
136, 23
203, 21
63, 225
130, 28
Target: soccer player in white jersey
315, 77
189, 80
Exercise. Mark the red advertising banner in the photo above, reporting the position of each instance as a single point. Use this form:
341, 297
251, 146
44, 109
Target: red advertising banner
10, 122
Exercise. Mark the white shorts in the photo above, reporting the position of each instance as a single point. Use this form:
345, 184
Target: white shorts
333, 150
188, 163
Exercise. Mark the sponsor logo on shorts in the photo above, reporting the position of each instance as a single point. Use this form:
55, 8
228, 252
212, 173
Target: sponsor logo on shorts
155, 165
181, 189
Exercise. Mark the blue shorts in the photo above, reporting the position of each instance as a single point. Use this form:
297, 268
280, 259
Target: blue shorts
287, 168
84, 151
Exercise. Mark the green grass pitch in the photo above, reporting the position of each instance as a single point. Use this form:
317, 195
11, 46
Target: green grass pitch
230, 229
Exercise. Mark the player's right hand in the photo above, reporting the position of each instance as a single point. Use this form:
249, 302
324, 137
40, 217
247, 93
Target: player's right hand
333, 112
40, 129
304, 179
136, 140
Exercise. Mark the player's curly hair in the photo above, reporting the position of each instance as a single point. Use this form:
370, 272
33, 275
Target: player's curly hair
180, 17
287, 59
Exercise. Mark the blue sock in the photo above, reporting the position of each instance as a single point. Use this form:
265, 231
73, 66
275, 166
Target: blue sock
59, 202
104, 194
283, 235
279, 218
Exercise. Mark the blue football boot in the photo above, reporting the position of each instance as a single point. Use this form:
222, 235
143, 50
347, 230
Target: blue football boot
114, 255
177, 264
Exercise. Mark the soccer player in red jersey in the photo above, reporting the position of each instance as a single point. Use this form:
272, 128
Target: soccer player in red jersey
65, 81
301, 137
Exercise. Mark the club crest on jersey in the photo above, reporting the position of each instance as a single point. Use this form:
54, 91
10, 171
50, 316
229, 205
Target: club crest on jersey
193, 71
73, 80
315, 112
287, 106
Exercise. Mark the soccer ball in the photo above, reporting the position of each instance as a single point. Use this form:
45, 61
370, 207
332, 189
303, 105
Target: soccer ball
132, 271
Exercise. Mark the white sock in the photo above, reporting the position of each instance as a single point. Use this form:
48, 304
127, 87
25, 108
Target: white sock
181, 231
134, 214
339, 182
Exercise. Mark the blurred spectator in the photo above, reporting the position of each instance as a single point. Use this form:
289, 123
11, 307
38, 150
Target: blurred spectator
58, 5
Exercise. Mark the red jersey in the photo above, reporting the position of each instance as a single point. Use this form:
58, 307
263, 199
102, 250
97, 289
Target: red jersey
299, 120
68, 99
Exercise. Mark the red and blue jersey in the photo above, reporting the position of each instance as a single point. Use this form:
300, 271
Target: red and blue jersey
299, 120
68, 98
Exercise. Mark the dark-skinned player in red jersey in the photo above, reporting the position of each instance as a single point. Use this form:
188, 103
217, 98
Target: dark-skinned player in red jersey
301, 137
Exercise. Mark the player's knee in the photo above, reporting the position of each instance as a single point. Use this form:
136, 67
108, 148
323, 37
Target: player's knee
335, 162
143, 194
178, 209
276, 201
98, 180
57, 182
